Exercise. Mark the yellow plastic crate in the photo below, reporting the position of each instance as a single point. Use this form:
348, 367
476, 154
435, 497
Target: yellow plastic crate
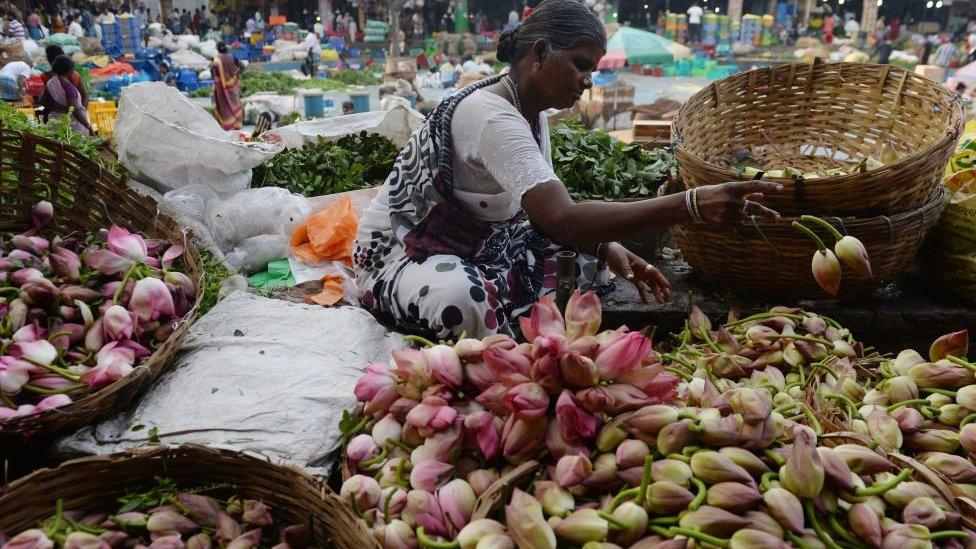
30, 112
102, 118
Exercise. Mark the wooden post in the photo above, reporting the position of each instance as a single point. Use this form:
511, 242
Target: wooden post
807, 8
869, 16
735, 10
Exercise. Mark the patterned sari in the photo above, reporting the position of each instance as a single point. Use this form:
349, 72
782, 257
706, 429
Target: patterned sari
228, 107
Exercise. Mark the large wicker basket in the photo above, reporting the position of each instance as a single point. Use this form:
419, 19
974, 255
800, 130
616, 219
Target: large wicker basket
95, 483
816, 115
772, 259
85, 198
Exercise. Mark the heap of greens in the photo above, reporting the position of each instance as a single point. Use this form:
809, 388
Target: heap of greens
322, 167
58, 129
594, 166
259, 81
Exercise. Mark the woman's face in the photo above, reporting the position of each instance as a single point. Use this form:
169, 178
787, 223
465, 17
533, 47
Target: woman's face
564, 75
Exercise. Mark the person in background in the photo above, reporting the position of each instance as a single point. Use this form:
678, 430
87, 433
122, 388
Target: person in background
174, 21
213, 21
695, 13
34, 26
14, 28
196, 21
513, 20
944, 56
54, 51
251, 26
353, 27
204, 22
851, 27
166, 76
449, 74
74, 28
88, 22
62, 98
348, 108
314, 46
883, 51
468, 65
57, 23
186, 22
828, 29
13, 77
228, 107
662, 22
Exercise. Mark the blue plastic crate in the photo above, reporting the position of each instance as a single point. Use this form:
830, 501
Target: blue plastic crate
241, 53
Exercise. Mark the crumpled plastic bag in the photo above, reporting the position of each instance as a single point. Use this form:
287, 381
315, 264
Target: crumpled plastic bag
327, 235
254, 212
253, 254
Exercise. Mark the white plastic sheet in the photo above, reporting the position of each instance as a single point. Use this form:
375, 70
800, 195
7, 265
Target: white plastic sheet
189, 59
396, 124
260, 375
169, 142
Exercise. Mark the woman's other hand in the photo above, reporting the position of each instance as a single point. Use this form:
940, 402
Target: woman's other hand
646, 278
735, 202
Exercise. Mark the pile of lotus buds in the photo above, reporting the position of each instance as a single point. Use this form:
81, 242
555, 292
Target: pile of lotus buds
165, 519
719, 442
78, 312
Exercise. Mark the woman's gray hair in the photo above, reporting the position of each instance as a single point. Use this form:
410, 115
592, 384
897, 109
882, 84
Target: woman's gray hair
564, 24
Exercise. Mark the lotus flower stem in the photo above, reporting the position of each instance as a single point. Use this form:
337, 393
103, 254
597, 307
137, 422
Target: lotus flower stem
645, 479
11, 290
399, 445
815, 524
833, 230
688, 415
659, 530
807, 411
614, 523
961, 362
61, 372
427, 543
679, 457
766, 480
683, 375
786, 407
663, 521
125, 281
422, 341
812, 235
700, 496
880, 488
911, 402
801, 338
839, 531
695, 428
943, 392
679, 360
709, 342
357, 428
967, 420
949, 534
56, 520
375, 460
696, 535
762, 316
689, 450
851, 407
386, 504
63, 391
932, 413
795, 540
623, 496
777, 459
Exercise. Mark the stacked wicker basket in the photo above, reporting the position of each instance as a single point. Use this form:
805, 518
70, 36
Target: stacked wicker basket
809, 115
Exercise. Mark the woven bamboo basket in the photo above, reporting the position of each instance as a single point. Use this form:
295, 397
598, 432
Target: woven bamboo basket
85, 198
811, 116
772, 259
95, 484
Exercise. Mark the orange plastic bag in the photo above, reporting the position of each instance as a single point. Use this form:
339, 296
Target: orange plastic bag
331, 291
327, 235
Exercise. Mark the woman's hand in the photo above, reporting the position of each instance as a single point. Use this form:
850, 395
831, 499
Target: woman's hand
646, 278
733, 203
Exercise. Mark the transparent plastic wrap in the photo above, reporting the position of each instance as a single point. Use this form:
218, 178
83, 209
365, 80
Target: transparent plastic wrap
254, 212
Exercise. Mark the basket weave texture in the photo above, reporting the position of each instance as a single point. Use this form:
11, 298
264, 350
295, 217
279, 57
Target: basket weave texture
810, 116
95, 484
85, 198
773, 259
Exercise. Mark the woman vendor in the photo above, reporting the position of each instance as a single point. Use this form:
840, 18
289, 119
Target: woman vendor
462, 237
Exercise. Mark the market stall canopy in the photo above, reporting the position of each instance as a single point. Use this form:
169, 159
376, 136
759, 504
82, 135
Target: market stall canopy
616, 59
642, 47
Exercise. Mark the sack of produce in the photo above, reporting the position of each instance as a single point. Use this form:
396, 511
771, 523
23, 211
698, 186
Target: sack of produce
395, 124
257, 374
169, 142
189, 59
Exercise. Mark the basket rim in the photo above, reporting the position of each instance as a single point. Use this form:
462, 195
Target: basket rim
951, 133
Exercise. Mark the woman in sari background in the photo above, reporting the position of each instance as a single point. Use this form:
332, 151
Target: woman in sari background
228, 107
62, 98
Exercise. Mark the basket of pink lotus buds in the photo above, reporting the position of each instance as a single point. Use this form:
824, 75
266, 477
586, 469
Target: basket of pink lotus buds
96, 289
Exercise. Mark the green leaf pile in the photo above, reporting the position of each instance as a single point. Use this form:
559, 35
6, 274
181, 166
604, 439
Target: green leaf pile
353, 162
253, 81
594, 166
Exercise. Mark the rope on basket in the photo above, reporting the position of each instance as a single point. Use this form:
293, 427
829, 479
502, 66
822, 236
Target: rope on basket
891, 229
761, 234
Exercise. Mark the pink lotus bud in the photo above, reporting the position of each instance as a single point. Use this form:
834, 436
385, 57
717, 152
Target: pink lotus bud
803, 473
967, 397
480, 374
576, 424
432, 415
445, 365
521, 436
851, 252
622, 355
486, 433
631, 453
527, 401
493, 397
556, 501
361, 448
426, 512
471, 535
29, 539
950, 414
967, 438
901, 388
430, 475
377, 388
52, 402
836, 470
39, 352
745, 459
171, 522
909, 419
924, 511
526, 524
572, 470
698, 323
675, 436
84, 540
558, 446
941, 375
470, 349
151, 300
733, 496
713, 521
544, 320
123, 243
906, 360
604, 472
25, 275
865, 523
17, 313
582, 526
482, 479
387, 428
610, 435
712, 468
634, 519
649, 420
399, 535
509, 365
65, 264
115, 538
884, 429
171, 541
42, 214
862, 460
955, 344
32, 244
653, 381
256, 513
583, 315
753, 405
955, 468
826, 271
202, 510
171, 254
907, 536
671, 470
456, 500
14, 374
116, 323
199, 541
107, 262
785, 507
180, 283
228, 529
578, 371
361, 491
666, 498
248, 540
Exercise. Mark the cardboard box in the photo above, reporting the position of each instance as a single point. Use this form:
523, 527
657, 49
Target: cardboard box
659, 130
932, 72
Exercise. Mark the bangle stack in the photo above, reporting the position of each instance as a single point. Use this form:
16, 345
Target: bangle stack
691, 202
